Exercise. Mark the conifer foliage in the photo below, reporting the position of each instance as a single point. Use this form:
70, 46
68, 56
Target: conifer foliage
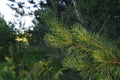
91, 55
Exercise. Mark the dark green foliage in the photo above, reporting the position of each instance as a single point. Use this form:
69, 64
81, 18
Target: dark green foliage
101, 16
88, 53
60, 47
7, 38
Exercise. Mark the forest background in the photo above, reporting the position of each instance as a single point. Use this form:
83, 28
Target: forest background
70, 40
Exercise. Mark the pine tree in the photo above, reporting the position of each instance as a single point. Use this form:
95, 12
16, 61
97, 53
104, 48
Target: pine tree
7, 38
94, 57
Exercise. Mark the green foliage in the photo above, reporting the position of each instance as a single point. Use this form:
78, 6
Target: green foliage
56, 38
101, 16
46, 70
40, 71
8, 71
74, 53
7, 38
86, 52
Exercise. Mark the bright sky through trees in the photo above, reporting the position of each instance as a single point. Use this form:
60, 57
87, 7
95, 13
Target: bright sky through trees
8, 13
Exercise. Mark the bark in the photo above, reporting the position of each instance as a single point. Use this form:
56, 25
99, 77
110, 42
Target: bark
77, 12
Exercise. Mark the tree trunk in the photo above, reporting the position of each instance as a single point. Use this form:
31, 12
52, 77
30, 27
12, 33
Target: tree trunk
77, 12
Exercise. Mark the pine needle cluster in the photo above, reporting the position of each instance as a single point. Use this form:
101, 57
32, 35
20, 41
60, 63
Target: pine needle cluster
94, 57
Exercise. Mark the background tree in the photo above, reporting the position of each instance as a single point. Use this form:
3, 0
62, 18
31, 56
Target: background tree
7, 38
103, 19
71, 39
87, 53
